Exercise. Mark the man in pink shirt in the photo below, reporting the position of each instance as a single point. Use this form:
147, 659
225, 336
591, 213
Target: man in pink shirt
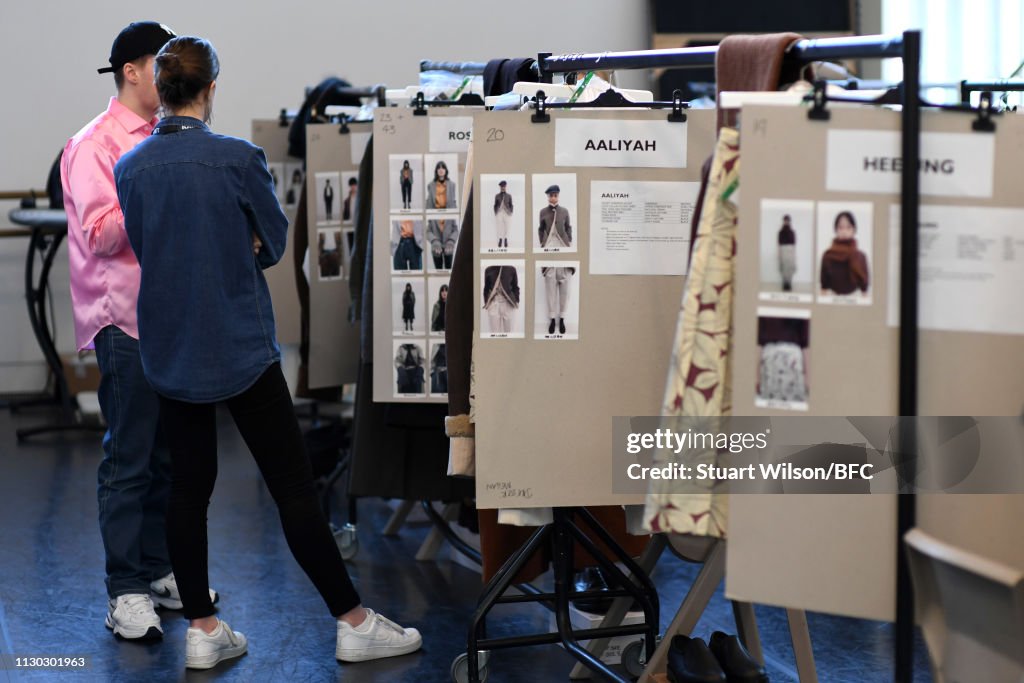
134, 476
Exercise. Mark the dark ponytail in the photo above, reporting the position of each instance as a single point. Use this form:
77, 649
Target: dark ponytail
185, 67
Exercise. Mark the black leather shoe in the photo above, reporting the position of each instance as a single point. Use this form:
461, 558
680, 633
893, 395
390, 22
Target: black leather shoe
691, 661
736, 662
561, 326
551, 330
590, 579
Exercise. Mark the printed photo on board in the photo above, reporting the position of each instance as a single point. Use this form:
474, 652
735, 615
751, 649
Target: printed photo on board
438, 368
502, 221
557, 301
437, 291
350, 188
328, 254
406, 182
406, 244
407, 306
783, 344
502, 299
442, 186
554, 202
845, 238
442, 237
325, 197
293, 177
787, 250
410, 368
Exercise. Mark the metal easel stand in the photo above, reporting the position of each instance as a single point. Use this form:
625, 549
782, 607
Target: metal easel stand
711, 553
906, 47
564, 531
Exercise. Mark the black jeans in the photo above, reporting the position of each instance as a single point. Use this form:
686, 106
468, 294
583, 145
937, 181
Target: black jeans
266, 420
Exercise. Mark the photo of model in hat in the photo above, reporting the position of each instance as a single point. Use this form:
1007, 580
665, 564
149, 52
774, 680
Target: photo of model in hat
554, 204
134, 474
503, 214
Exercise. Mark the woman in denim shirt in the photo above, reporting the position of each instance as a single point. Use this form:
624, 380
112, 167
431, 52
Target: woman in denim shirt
203, 220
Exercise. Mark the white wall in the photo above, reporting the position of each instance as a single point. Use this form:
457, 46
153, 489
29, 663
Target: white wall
269, 52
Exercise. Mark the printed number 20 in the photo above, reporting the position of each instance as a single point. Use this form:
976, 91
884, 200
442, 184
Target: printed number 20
495, 135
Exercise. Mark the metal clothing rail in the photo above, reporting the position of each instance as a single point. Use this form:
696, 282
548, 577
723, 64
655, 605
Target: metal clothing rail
465, 68
967, 87
906, 47
852, 47
377, 91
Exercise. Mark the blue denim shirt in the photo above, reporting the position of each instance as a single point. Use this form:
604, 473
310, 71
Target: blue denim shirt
192, 200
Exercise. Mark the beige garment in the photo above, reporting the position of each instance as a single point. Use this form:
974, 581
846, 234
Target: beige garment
698, 380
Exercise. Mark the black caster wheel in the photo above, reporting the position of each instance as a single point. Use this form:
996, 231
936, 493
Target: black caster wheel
634, 658
460, 667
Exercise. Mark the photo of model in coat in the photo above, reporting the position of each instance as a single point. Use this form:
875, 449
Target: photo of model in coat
406, 190
441, 192
409, 368
555, 201
555, 229
501, 297
442, 235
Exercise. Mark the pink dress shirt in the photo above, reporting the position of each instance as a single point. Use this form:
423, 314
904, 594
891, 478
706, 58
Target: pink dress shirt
104, 271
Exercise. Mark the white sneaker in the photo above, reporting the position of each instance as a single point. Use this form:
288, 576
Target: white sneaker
166, 595
375, 638
205, 650
132, 617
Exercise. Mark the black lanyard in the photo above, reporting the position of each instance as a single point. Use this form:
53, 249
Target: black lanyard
172, 128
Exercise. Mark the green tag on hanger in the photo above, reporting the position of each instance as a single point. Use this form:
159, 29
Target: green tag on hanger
458, 91
581, 87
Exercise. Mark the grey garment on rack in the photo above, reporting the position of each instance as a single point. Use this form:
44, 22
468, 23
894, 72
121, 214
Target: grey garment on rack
364, 215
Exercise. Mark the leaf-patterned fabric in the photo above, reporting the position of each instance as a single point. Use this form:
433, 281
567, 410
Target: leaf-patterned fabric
699, 376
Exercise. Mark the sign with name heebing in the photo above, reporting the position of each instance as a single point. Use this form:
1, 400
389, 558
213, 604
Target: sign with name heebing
620, 143
951, 164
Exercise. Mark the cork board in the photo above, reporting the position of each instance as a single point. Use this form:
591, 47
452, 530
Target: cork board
273, 138
544, 406
852, 355
330, 223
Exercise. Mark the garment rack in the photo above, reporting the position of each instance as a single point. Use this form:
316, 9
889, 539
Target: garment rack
377, 91
967, 87
464, 68
907, 48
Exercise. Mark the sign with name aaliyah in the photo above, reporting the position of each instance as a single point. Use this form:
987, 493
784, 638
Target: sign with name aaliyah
450, 133
951, 164
620, 144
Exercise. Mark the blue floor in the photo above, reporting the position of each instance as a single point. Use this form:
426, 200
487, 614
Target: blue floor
52, 600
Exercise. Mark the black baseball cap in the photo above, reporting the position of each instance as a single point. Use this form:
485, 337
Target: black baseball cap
138, 39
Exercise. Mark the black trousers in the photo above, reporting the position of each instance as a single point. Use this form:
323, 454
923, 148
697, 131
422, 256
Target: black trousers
266, 420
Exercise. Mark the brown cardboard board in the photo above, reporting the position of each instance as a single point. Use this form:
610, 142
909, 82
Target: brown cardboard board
333, 339
273, 138
543, 408
400, 135
837, 553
